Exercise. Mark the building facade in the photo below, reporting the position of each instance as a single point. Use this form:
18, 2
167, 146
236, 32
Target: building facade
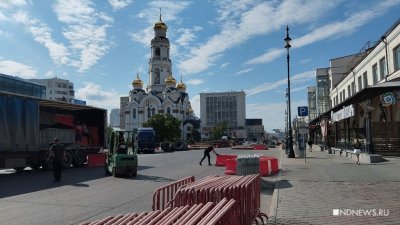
219, 107
57, 89
312, 103
115, 117
20, 86
365, 102
163, 95
255, 130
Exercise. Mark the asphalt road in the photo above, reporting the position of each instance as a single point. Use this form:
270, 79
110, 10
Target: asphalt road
86, 194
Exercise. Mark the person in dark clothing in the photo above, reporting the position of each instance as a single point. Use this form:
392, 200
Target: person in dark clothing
57, 154
207, 154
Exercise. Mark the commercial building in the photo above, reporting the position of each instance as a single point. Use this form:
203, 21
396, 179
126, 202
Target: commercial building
20, 86
223, 107
365, 101
255, 130
57, 89
114, 117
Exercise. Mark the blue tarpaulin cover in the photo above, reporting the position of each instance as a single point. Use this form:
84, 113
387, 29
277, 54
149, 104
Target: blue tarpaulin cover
19, 124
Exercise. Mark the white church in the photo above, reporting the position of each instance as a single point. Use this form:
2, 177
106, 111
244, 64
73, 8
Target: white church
163, 94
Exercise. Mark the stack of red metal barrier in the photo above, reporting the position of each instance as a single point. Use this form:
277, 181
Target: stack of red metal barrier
244, 189
209, 213
165, 194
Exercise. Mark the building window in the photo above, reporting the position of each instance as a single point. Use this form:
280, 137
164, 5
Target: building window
374, 74
157, 76
169, 111
396, 55
359, 83
348, 91
134, 113
365, 80
157, 51
382, 68
353, 88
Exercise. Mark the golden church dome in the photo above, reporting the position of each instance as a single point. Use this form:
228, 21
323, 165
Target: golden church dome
170, 80
181, 85
137, 82
160, 24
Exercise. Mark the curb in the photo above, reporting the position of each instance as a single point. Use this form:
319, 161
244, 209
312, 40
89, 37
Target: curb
273, 208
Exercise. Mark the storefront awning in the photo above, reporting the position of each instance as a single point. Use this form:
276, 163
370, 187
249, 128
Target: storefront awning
361, 96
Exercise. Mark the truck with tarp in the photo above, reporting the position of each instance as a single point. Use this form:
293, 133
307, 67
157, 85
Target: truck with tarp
29, 125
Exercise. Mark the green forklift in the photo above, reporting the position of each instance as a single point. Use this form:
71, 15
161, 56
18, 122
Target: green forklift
121, 157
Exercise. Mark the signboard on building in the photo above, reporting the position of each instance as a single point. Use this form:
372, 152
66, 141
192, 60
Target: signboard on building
302, 111
344, 113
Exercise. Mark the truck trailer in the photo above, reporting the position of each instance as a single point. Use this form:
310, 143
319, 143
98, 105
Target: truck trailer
29, 125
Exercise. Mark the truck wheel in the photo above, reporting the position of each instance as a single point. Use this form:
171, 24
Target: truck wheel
67, 163
79, 158
19, 169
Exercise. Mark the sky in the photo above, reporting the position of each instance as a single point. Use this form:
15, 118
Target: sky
216, 45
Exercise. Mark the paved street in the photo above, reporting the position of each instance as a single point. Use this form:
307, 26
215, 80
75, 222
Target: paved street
307, 193
85, 194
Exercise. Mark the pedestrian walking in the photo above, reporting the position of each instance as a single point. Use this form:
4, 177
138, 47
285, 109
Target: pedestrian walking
310, 143
357, 150
57, 155
207, 153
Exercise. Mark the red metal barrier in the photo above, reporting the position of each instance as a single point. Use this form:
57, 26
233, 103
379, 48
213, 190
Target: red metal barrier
260, 147
230, 167
273, 162
221, 159
96, 159
244, 189
210, 213
165, 194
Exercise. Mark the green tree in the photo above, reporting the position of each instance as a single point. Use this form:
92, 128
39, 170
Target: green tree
109, 130
166, 127
218, 131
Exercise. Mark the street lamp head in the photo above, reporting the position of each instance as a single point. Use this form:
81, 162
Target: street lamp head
287, 39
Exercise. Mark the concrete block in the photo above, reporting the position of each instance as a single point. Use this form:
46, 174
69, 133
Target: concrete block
370, 158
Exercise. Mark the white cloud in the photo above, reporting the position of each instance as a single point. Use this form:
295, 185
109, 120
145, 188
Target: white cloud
244, 71
298, 78
245, 21
7, 4
143, 36
195, 103
187, 36
195, 81
329, 31
86, 31
95, 95
13, 68
224, 65
119, 4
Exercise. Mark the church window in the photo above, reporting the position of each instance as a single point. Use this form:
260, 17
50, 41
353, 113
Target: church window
134, 113
157, 51
169, 111
157, 76
153, 111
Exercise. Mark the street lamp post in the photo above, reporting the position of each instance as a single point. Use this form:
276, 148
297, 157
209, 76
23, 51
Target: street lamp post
290, 142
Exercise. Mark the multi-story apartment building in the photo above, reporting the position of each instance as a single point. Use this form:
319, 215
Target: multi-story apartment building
21, 86
57, 89
255, 130
123, 109
219, 107
114, 117
365, 101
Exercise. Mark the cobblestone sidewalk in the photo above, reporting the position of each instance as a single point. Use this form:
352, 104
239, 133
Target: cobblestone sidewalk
312, 192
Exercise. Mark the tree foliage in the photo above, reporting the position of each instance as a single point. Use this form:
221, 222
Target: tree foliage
218, 131
166, 127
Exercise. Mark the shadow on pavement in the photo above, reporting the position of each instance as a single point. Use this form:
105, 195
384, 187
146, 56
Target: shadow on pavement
31, 181
153, 178
285, 184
